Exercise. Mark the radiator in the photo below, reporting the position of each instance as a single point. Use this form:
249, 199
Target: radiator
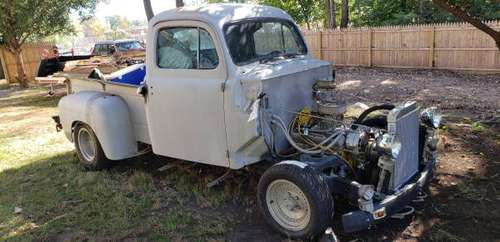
403, 122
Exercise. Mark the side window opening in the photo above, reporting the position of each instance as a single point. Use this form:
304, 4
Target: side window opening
186, 48
97, 50
208, 53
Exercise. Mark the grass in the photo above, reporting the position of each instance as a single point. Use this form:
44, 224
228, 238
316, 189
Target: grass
58, 200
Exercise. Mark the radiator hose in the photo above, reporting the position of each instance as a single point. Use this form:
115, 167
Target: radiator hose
365, 113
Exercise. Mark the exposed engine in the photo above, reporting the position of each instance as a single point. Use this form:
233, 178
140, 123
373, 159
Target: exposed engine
383, 147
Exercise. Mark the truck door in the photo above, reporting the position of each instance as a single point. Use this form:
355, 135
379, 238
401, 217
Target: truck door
184, 107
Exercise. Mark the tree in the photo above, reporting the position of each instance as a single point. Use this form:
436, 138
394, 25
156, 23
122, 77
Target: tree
118, 26
22, 21
302, 11
344, 21
402, 12
330, 13
227, 1
94, 28
460, 13
149, 9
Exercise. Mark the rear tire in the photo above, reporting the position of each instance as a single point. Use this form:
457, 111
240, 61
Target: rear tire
295, 200
88, 149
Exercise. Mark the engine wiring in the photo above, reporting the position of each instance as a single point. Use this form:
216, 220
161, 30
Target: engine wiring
315, 149
331, 145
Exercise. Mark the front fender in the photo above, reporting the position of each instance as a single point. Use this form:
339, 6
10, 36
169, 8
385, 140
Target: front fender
107, 115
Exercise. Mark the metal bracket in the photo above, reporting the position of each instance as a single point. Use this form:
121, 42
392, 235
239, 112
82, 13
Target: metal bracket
218, 180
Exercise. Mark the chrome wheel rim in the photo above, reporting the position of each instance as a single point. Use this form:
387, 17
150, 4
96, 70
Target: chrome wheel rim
288, 205
86, 145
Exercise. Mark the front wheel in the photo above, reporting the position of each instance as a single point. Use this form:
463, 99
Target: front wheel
89, 149
295, 200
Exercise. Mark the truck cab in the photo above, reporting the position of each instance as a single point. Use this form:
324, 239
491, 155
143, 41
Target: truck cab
231, 85
208, 71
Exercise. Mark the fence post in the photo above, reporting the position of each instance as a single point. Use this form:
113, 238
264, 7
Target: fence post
432, 39
370, 36
320, 45
4, 65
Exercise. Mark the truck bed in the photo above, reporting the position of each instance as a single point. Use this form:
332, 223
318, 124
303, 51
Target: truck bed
78, 83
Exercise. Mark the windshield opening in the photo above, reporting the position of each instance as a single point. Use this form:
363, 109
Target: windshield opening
259, 40
132, 45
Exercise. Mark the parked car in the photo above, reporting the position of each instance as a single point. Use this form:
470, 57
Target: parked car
233, 85
110, 47
126, 50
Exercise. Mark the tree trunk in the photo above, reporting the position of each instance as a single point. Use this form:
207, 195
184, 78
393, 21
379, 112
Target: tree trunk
179, 3
403, 6
344, 21
461, 14
149, 9
331, 21
420, 11
21, 73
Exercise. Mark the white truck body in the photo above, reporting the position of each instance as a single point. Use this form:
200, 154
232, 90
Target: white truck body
197, 114
231, 85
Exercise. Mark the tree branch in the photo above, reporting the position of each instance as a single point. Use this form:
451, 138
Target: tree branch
149, 9
179, 3
34, 21
459, 13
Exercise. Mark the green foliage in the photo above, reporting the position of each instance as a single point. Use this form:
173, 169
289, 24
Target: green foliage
399, 12
386, 12
302, 11
227, 1
25, 20
118, 25
36, 19
93, 27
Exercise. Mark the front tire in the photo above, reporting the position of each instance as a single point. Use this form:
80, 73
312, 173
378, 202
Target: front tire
295, 200
88, 149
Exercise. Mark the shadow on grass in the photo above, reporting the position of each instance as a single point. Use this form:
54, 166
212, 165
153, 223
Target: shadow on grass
156, 198
37, 98
55, 199
4, 85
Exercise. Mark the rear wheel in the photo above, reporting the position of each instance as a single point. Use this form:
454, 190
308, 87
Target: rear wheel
89, 149
295, 200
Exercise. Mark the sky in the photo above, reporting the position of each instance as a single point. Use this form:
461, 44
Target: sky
134, 9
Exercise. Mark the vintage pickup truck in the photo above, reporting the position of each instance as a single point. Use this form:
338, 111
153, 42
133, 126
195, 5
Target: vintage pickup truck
231, 85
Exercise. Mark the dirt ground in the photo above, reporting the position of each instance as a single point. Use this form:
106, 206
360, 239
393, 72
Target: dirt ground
153, 198
464, 198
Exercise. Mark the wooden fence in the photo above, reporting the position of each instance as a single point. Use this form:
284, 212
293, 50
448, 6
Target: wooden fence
31, 58
452, 46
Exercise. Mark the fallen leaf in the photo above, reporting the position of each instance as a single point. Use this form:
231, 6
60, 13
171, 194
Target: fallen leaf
18, 210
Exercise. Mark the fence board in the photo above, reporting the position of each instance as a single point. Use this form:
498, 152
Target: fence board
31, 54
453, 46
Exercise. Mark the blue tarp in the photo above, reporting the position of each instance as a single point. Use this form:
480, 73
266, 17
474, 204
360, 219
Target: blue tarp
132, 75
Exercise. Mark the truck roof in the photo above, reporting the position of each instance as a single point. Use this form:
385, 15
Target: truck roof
220, 13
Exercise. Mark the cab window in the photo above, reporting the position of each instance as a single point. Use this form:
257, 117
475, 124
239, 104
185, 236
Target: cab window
186, 48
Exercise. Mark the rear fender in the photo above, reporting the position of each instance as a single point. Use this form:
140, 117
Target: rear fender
107, 115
